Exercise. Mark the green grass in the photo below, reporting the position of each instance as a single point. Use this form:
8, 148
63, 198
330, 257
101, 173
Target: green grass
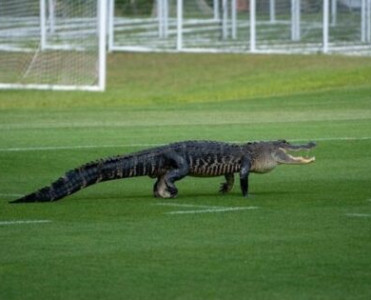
307, 240
137, 80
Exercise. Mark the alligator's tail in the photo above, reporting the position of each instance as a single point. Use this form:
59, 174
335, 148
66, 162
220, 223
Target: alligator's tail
89, 174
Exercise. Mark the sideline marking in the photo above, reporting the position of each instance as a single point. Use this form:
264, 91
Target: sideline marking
359, 215
210, 210
203, 208
23, 222
53, 148
11, 195
344, 138
186, 205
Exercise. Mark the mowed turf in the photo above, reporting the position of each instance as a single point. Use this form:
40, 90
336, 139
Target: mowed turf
304, 233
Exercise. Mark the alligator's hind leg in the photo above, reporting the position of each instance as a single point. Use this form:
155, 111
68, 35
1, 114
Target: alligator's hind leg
160, 189
226, 187
179, 169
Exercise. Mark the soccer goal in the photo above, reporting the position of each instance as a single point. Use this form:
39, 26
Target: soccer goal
53, 44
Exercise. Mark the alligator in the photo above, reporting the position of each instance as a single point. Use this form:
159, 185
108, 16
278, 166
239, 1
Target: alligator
173, 162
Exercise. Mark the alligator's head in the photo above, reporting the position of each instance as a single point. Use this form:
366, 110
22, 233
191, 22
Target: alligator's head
286, 146
267, 155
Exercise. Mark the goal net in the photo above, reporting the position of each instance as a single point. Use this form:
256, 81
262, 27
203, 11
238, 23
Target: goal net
52, 44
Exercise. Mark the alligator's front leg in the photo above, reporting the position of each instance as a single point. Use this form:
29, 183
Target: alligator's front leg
244, 176
227, 186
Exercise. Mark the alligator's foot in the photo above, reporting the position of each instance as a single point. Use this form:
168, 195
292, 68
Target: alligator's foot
173, 191
162, 190
226, 187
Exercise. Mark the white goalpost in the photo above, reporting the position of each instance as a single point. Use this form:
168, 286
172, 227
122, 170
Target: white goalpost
53, 44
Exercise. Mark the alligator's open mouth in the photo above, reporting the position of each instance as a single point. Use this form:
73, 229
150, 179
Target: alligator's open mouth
295, 148
301, 159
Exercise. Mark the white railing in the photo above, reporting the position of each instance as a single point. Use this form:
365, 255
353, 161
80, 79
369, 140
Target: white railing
271, 26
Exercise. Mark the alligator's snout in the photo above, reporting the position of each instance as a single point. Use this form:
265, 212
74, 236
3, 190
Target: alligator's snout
291, 147
311, 145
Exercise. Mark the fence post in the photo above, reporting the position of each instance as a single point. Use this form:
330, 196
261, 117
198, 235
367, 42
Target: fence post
325, 26
333, 12
159, 17
111, 30
234, 18
179, 25
252, 25
166, 18
216, 9
42, 24
51, 12
366, 21
102, 25
224, 19
295, 20
272, 11
162, 15
363, 21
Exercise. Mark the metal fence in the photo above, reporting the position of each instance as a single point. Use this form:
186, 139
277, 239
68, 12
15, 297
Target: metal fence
256, 26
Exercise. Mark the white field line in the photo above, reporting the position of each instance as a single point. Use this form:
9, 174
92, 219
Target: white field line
18, 222
186, 205
10, 195
210, 210
79, 147
359, 215
203, 208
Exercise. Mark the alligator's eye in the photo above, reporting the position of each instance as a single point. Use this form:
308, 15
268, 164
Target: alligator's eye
283, 142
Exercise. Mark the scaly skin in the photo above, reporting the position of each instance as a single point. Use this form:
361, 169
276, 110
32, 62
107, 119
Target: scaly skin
173, 162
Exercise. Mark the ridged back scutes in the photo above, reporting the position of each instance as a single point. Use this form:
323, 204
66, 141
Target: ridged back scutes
208, 158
